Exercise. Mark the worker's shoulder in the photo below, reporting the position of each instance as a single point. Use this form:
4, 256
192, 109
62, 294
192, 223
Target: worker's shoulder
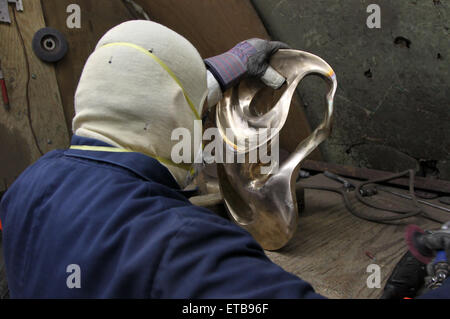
43, 162
41, 165
48, 157
54, 154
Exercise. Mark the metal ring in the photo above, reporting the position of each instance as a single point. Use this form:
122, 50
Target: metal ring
49, 45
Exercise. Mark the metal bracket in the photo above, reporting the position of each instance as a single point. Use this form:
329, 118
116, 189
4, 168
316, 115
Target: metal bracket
4, 12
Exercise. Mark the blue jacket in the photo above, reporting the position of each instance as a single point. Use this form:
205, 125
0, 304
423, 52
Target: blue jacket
123, 221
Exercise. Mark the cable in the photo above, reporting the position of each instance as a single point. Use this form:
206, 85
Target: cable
389, 220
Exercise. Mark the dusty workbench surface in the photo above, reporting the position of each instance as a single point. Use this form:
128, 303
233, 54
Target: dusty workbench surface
331, 247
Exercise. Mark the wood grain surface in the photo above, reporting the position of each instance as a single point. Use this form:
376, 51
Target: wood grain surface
35, 123
329, 248
97, 17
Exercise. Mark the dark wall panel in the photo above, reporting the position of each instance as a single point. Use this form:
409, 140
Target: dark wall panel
393, 99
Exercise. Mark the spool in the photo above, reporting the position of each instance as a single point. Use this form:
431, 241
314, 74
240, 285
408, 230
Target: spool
49, 45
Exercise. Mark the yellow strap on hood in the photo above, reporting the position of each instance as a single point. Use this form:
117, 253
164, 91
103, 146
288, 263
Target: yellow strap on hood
162, 64
111, 149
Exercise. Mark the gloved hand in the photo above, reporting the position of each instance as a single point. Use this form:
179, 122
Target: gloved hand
249, 57
439, 240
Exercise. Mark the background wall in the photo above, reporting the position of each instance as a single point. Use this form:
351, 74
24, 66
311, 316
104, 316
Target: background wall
392, 105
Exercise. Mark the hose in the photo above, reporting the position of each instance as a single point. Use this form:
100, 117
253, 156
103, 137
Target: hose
396, 219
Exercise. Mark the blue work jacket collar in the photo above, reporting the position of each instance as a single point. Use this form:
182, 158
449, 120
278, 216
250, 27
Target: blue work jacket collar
142, 165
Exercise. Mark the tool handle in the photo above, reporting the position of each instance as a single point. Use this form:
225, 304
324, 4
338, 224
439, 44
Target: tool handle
4, 91
337, 178
441, 256
406, 279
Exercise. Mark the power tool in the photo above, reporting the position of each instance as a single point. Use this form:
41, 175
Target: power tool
437, 262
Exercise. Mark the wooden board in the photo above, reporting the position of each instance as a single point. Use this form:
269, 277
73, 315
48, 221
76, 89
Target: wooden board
35, 124
329, 248
213, 27
97, 17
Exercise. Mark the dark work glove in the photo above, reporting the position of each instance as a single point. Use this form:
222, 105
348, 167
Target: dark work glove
406, 279
249, 57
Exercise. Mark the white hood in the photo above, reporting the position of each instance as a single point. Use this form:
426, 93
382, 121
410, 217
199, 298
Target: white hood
127, 97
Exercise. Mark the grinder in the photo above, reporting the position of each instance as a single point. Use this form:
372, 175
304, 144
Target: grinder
414, 239
417, 271
438, 268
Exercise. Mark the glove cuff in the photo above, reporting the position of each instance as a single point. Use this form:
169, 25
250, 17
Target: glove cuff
230, 66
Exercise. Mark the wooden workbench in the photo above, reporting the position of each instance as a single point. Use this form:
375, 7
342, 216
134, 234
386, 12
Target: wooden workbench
329, 248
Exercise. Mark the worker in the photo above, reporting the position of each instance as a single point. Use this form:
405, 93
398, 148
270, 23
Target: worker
109, 216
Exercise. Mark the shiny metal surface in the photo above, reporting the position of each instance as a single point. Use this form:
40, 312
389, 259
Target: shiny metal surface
266, 204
